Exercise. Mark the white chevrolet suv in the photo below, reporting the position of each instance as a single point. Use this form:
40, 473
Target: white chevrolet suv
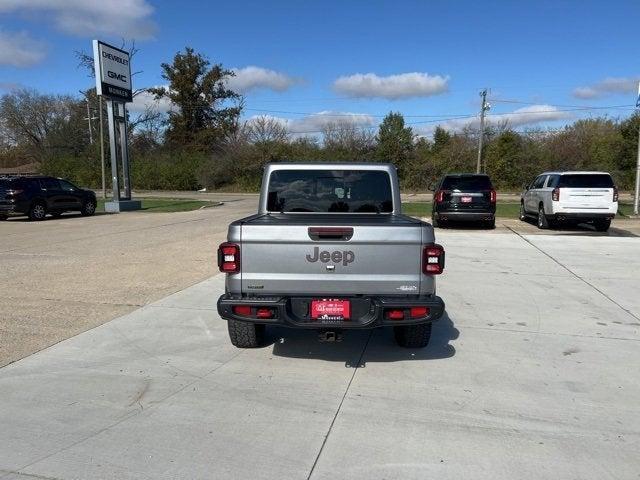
570, 197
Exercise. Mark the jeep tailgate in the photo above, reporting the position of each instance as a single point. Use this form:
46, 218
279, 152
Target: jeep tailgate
332, 254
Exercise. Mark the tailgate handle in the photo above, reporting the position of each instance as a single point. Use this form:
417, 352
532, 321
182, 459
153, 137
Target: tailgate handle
330, 233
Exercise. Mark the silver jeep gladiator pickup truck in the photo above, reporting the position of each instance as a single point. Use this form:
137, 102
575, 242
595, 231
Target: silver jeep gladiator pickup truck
329, 249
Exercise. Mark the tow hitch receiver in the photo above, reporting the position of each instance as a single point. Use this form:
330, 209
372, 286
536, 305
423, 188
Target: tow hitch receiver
330, 336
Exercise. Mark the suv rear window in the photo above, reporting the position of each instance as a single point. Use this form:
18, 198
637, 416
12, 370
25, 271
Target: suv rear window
597, 180
334, 191
467, 183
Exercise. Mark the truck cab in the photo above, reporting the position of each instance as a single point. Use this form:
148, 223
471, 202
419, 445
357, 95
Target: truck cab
329, 248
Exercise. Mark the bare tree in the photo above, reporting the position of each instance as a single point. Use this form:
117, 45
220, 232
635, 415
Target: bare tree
265, 129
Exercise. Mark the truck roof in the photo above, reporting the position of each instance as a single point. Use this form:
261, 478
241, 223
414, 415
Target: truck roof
330, 166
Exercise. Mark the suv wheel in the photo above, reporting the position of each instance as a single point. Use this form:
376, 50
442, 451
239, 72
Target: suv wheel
89, 208
543, 224
523, 214
413, 336
3, 218
245, 334
602, 225
37, 211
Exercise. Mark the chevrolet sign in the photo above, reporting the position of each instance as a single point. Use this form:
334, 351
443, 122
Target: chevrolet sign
113, 72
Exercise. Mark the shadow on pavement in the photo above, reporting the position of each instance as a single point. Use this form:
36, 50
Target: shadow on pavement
580, 229
381, 347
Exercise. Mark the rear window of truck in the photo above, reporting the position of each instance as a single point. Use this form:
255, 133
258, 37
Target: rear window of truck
588, 180
329, 191
467, 183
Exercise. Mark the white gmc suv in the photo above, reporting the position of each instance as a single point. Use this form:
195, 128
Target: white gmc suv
570, 197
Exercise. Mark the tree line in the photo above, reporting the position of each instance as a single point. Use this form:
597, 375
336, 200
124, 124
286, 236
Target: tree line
203, 142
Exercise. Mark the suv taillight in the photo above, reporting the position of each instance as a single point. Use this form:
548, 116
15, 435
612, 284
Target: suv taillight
615, 194
229, 257
555, 195
433, 259
492, 196
439, 196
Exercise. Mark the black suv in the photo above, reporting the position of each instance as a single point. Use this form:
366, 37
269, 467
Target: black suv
38, 195
467, 197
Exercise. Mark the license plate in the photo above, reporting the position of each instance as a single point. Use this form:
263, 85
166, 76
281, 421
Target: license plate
466, 199
331, 309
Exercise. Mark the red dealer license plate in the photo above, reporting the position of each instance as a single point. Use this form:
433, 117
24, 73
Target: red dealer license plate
467, 199
330, 309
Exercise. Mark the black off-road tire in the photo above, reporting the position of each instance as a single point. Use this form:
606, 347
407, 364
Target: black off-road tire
3, 218
413, 336
88, 208
602, 225
490, 224
38, 211
245, 334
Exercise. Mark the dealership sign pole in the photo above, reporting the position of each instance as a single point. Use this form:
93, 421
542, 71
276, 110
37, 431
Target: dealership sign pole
113, 81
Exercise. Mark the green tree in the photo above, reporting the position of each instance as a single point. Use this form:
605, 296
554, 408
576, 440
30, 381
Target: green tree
395, 140
441, 139
504, 157
205, 109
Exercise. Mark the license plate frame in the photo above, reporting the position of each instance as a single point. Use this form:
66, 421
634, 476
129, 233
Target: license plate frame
330, 309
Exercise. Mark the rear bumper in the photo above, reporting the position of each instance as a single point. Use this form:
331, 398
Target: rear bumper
14, 208
463, 216
583, 216
368, 312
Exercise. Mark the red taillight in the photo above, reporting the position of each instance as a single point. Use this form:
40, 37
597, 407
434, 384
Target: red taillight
417, 312
395, 314
555, 194
433, 259
264, 313
229, 257
615, 194
439, 196
493, 196
244, 310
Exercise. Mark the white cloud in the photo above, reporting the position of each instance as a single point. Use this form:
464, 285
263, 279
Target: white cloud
608, 86
18, 49
526, 116
123, 18
252, 78
312, 124
146, 100
393, 87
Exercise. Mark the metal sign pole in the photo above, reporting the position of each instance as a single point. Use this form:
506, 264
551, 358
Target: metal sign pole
113, 80
113, 149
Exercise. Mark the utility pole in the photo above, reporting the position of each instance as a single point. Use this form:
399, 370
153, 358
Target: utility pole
104, 183
483, 109
89, 118
637, 197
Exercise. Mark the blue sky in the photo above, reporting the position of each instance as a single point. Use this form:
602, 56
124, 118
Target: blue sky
425, 59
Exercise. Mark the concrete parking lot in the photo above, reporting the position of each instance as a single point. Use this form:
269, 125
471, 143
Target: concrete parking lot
531, 374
